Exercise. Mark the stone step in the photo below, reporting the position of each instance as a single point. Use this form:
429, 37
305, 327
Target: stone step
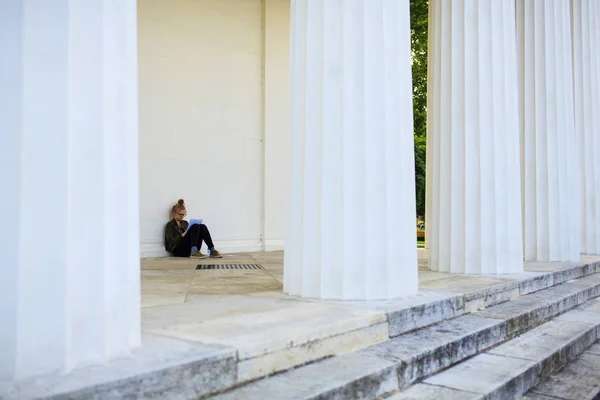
579, 380
424, 352
418, 354
274, 340
184, 368
406, 318
350, 376
530, 310
161, 368
511, 369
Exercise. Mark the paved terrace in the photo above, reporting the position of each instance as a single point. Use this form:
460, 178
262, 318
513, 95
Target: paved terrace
271, 331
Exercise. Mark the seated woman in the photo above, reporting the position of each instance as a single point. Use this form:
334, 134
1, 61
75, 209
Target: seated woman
187, 244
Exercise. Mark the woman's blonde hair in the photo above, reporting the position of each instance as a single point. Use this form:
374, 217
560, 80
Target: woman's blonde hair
179, 206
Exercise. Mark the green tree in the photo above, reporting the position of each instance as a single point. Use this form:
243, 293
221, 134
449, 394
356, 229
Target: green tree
420, 162
418, 34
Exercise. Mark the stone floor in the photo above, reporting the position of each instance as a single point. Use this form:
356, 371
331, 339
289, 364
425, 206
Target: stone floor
246, 309
171, 281
175, 280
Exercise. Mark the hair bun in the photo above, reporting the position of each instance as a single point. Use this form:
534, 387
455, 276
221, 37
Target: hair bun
180, 202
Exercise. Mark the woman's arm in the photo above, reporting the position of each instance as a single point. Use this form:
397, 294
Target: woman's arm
184, 226
172, 237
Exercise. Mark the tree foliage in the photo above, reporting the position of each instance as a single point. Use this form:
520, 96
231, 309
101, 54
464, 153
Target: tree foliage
418, 33
420, 162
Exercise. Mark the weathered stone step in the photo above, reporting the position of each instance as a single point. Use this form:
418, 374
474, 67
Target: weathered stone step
161, 368
351, 376
579, 380
541, 306
358, 324
300, 340
511, 369
415, 355
405, 319
429, 350
185, 370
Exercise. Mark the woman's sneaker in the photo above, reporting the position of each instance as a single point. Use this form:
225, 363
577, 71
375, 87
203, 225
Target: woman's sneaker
215, 254
197, 254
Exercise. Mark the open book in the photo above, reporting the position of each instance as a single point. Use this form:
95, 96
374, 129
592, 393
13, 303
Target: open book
193, 222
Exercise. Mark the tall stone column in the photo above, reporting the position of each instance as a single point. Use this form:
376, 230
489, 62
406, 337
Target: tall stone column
473, 149
352, 208
550, 172
586, 70
433, 39
70, 289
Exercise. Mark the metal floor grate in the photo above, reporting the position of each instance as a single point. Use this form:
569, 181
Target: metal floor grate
228, 266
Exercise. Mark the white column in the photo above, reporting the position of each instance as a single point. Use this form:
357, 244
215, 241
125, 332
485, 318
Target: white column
586, 71
549, 171
70, 290
277, 135
475, 197
352, 209
431, 98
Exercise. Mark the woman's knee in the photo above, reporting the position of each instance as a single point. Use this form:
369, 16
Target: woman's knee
200, 227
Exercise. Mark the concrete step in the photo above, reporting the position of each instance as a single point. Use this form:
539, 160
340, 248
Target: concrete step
579, 380
511, 369
424, 352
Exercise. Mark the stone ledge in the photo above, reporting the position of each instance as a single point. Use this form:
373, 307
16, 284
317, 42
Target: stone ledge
161, 368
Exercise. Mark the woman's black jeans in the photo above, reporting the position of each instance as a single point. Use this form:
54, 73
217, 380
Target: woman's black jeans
194, 237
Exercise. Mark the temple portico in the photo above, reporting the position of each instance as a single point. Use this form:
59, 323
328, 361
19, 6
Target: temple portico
286, 125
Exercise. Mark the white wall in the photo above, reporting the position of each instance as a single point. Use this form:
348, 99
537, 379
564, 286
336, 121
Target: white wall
203, 119
277, 127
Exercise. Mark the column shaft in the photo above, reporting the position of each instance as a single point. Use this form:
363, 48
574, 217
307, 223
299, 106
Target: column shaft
433, 38
586, 78
71, 296
473, 141
352, 210
549, 175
